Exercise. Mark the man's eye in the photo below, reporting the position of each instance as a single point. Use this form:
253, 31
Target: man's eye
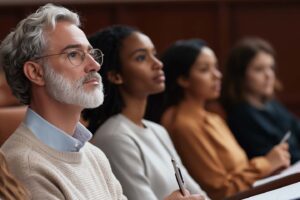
73, 54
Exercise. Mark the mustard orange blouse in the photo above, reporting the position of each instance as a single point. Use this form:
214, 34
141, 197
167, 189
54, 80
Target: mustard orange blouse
210, 152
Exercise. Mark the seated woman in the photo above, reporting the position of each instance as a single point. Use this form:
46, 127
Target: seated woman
207, 147
139, 151
10, 188
256, 118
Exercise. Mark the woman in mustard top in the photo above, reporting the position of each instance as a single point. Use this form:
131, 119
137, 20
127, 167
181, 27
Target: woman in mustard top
203, 140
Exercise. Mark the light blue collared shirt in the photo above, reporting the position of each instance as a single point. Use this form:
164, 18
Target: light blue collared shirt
55, 137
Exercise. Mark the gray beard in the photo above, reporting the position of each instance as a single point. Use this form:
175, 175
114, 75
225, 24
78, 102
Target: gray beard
66, 91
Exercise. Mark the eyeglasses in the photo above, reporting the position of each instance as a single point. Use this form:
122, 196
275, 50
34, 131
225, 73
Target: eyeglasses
77, 56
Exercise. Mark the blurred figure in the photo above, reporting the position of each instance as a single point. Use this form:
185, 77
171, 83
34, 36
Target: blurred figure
11, 112
51, 66
202, 139
257, 119
10, 188
139, 151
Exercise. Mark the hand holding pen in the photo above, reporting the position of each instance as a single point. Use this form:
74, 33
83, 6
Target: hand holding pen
176, 195
178, 176
183, 193
279, 156
286, 137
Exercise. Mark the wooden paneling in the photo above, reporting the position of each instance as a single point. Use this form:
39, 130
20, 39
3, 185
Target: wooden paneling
8, 20
220, 23
94, 17
166, 22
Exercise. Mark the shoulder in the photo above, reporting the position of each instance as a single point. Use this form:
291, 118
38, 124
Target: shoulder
214, 116
277, 105
157, 129
19, 144
110, 126
154, 125
92, 150
114, 135
187, 123
242, 113
96, 156
114, 127
24, 156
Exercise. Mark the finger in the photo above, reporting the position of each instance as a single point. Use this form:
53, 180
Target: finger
197, 197
285, 146
186, 192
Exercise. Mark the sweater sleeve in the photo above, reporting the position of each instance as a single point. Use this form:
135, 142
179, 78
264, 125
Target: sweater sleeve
127, 164
42, 188
38, 184
204, 162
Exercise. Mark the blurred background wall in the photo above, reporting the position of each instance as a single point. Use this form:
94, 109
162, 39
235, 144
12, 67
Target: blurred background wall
219, 22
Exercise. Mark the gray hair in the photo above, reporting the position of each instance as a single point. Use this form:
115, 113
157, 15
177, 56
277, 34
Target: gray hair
27, 42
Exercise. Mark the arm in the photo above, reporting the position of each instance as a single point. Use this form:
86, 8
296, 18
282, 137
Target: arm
176, 195
203, 157
114, 186
190, 183
293, 120
253, 128
42, 188
127, 164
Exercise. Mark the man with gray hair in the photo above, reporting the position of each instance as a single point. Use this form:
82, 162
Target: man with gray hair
50, 66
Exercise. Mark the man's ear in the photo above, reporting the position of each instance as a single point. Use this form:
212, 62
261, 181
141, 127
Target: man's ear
182, 82
34, 72
115, 77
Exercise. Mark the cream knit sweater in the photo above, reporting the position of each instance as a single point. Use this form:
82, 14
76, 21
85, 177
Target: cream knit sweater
50, 174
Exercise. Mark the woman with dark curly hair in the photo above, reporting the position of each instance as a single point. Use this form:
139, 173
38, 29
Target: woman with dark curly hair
139, 150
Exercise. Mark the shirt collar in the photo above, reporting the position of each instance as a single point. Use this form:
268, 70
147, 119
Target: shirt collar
55, 137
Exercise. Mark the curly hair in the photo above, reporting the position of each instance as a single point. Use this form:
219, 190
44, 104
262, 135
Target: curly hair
28, 41
10, 187
109, 40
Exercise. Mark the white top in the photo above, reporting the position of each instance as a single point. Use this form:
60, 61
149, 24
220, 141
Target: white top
55, 175
141, 158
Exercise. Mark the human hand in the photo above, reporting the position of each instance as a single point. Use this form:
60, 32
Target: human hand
279, 156
176, 195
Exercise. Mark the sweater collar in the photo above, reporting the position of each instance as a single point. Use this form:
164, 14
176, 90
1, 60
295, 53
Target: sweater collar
55, 137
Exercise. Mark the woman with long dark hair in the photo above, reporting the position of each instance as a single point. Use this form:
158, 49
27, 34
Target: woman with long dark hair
139, 151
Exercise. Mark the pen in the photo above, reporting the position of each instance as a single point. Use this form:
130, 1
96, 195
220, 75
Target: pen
286, 137
179, 177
